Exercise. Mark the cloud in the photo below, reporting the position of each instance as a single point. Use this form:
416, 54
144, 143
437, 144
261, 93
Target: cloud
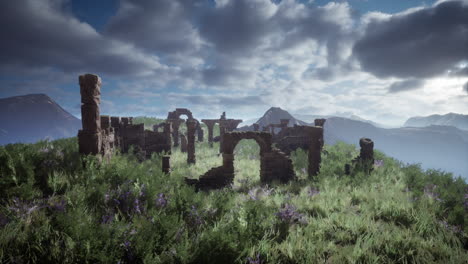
423, 43
465, 87
406, 85
43, 34
163, 27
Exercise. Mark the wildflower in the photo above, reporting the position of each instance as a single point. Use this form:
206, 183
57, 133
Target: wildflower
429, 190
161, 201
378, 163
255, 260
289, 215
106, 219
312, 191
194, 218
137, 207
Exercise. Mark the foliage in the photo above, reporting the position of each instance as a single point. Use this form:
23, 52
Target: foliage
59, 207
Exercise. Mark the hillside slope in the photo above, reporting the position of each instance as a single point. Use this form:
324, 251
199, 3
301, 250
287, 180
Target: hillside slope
29, 118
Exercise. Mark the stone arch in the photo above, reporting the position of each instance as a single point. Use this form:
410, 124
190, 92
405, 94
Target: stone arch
274, 164
231, 140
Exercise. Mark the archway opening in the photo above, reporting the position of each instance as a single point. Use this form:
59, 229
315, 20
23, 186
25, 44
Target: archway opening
246, 164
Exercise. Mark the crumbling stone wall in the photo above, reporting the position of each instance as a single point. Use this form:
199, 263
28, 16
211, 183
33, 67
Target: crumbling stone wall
174, 119
274, 165
256, 127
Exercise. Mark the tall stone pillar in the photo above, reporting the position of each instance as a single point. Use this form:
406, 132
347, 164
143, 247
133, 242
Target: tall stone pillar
315, 150
367, 150
191, 128
200, 132
175, 132
222, 130
183, 143
166, 165
210, 124
89, 138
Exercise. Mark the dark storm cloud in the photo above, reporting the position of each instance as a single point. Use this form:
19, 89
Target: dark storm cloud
43, 34
421, 44
162, 26
406, 85
238, 26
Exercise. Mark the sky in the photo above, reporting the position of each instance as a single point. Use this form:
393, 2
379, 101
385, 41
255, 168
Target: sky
384, 61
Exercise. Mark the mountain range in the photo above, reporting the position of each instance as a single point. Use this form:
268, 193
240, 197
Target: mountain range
451, 119
33, 117
434, 146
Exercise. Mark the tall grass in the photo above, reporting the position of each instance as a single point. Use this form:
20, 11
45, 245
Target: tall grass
59, 207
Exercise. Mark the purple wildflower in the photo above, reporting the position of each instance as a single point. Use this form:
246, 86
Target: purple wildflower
106, 219
255, 260
429, 190
312, 191
378, 163
194, 218
161, 201
137, 208
58, 205
289, 215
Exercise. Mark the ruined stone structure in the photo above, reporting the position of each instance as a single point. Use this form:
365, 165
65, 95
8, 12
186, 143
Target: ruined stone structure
166, 165
225, 125
210, 123
305, 137
256, 127
200, 132
104, 134
89, 138
274, 165
282, 125
191, 128
174, 119
183, 143
319, 122
365, 161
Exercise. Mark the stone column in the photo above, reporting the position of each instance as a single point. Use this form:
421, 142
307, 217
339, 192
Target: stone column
256, 127
319, 122
89, 138
166, 166
367, 150
222, 130
175, 131
210, 124
191, 128
200, 132
183, 143
315, 150
105, 121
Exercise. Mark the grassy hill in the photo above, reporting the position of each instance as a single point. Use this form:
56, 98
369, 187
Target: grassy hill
55, 210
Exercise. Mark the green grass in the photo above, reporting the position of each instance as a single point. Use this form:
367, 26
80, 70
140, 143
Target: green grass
54, 210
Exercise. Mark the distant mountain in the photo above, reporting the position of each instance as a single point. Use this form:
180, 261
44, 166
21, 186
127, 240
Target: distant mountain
435, 147
451, 119
310, 119
273, 116
29, 118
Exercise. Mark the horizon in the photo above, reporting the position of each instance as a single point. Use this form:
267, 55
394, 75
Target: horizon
381, 61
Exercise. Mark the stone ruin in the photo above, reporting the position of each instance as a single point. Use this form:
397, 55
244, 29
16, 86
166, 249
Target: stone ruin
173, 118
225, 125
365, 160
274, 165
93, 139
104, 134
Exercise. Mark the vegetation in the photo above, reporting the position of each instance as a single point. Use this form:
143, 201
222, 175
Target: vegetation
58, 207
